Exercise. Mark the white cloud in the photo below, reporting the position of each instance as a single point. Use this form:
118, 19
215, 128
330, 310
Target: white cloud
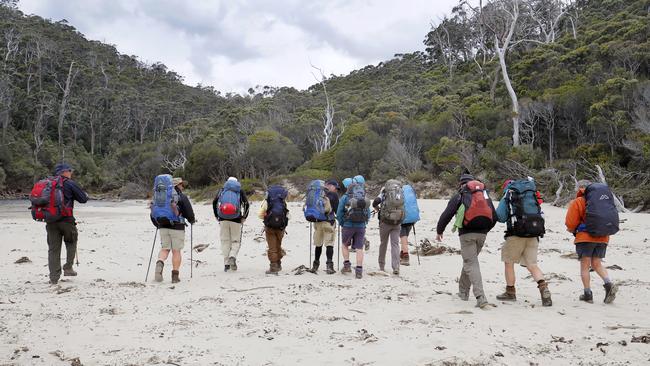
233, 45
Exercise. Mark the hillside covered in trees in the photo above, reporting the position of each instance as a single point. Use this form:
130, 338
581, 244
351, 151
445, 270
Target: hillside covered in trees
547, 88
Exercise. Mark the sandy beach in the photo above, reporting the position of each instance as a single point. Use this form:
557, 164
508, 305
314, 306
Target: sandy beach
108, 315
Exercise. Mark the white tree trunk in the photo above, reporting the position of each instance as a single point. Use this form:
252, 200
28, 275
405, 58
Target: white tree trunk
64, 102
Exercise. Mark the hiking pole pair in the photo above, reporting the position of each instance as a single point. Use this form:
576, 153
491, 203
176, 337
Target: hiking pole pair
310, 239
417, 245
151, 255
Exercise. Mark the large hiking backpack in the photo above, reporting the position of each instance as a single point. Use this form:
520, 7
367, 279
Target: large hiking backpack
315, 202
411, 209
276, 211
356, 207
602, 214
391, 210
526, 218
48, 200
229, 202
479, 210
164, 207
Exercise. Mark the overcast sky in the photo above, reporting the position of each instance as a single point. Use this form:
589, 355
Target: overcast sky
235, 44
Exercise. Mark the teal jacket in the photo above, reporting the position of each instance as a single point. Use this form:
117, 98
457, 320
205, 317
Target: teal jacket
340, 215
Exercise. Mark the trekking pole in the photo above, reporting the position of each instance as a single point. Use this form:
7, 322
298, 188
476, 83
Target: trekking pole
191, 250
76, 254
310, 243
151, 255
417, 246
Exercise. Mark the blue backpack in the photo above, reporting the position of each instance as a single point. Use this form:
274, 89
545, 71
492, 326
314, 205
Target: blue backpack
164, 207
229, 204
526, 218
357, 205
411, 209
602, 214
315, 202
276, 211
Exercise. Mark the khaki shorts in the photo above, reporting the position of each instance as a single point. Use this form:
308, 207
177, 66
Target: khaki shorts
172, 239
324, 233
520, 250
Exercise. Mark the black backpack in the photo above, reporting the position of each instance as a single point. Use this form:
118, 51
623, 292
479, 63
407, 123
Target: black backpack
276, 211
526, 218
602, 214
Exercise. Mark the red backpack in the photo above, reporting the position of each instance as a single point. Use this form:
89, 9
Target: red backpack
48, 201
479, 211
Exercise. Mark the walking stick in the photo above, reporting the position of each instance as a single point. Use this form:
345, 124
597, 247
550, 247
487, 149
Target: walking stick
310, 243
417, 246
191, 250
76, 254
151, 255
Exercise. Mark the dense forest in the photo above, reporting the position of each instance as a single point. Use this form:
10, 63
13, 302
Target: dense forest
554, 89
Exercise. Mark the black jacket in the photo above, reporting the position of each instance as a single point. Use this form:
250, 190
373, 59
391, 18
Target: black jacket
244, 205
334, 203
72, 192
449, 213
185, 210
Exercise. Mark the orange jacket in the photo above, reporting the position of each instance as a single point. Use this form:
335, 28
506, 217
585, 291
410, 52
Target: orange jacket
575, 216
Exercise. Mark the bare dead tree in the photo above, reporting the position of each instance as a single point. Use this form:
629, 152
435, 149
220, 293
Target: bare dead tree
442, 40
404, 155
547, 14
326, 139
12, 42
64, 101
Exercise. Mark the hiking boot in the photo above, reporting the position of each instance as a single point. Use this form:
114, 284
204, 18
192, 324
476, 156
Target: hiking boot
175, 277
610, 292
279, 264
158, 277
404, 259
347, 267
53, 281
545, 293
226, 267
587, 297
396, 272
330, 268
314, 267
509, 295
273, 269
358, 272
481, 302
233, 263
69, 272
463, 295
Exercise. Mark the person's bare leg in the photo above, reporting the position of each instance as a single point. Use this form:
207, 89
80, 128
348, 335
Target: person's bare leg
509, 273
585, 264
404, 241
535, 272
176, 259
597, 265
360, 257
345, 250
164, 253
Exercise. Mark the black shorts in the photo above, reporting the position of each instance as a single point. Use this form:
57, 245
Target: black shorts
405, 230
597, 250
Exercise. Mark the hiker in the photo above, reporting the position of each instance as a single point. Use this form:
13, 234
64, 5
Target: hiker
170, 210
592, 217
56, 209
324, 225
390, 207
275, 216
411, 217
230, 207
353, 214
520, 210
475, 217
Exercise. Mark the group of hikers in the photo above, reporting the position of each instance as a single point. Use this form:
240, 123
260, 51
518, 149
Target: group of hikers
591, 217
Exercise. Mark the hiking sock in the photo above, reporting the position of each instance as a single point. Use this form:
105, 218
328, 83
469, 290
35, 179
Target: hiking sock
607, 280
329, 252
319, 251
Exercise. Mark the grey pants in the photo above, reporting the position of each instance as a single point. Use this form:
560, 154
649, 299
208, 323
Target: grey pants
385, 232
230, 234
470, 246
57, 232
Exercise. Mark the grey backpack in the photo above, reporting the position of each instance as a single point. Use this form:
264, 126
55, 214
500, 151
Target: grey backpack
392, 206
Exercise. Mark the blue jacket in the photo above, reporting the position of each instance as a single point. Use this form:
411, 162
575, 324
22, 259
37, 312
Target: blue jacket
503, 210
340, 215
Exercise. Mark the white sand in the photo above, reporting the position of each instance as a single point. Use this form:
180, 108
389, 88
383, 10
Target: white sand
110, 317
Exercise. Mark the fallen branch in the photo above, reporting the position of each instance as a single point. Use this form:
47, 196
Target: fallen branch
251, 289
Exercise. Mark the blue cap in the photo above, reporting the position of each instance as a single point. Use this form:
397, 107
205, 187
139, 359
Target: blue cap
61, 168
360, 179
347, 182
